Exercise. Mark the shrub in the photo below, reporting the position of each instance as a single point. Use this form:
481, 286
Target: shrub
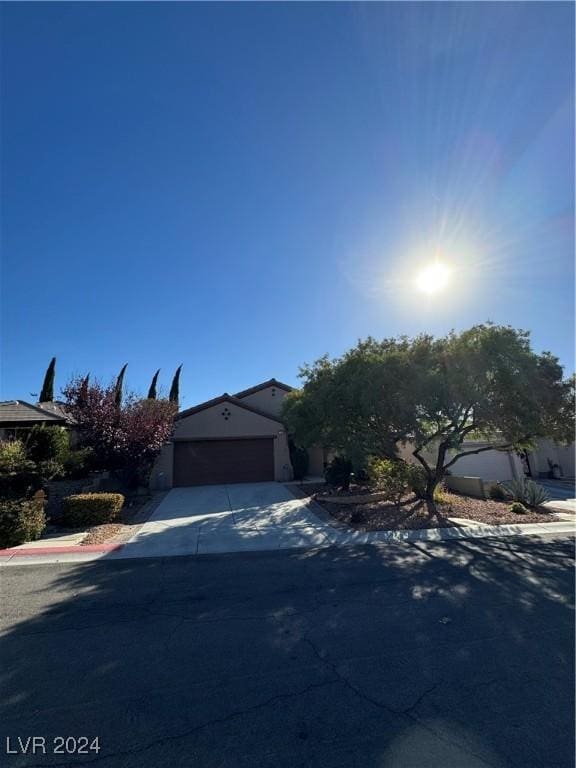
338, 472
417, 480
20, 520
13, 457
19, 485
440, 496
518, 508
50, 470
300, 460
47, 444
361, 476
91, 509
400, 476
526, 491
77, 463
390, 477
497, 493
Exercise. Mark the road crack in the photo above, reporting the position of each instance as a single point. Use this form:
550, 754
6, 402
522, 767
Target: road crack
191, 731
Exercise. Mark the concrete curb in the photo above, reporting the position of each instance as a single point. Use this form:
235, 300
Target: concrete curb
48, 555
76, 550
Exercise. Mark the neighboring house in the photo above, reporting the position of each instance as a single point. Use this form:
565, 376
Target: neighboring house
488, 465
17, 417
231, 439
498, 466
537, 462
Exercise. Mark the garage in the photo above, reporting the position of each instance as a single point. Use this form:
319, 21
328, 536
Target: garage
233, 460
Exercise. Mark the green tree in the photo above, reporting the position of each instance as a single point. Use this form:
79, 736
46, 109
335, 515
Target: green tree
152, 394
83, 393
47, 443
174, 396
119, 385
430, 396
47, 393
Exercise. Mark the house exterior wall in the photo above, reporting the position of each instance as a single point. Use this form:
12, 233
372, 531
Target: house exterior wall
268, 400
161, 477
489, 465
563, 455
211, 424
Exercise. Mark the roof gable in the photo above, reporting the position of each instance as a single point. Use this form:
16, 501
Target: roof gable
225, 398
264, 385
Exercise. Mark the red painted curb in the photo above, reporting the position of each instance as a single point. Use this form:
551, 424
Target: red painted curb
28, 551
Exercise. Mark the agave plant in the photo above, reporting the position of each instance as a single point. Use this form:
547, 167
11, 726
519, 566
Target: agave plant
526, 491
535, 494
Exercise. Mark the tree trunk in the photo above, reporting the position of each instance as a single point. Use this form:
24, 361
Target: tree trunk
432, 483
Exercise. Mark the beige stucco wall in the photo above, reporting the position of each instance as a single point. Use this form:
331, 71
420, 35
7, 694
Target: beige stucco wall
469, 486
268, 400
161, 475
211, 424
488, 465
559, 454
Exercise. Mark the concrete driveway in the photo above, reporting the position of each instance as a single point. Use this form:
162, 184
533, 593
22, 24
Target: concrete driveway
228, 518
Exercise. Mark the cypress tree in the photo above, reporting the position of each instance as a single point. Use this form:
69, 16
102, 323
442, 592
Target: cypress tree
47, 393
119, 383
152, 391
174, 396
83, 395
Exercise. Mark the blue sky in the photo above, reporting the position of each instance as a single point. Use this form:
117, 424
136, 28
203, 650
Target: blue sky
243, 187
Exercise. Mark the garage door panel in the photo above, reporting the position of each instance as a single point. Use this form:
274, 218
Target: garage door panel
208, 462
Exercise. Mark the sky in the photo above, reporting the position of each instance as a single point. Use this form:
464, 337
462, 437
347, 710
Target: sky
242, 188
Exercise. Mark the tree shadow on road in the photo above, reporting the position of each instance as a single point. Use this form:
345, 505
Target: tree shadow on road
425, 654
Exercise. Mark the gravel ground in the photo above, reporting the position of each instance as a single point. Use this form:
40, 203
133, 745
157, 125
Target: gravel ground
492, 512
413, 514
134, 515
101, 533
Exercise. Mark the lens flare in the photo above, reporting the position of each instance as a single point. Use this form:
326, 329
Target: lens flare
433, 278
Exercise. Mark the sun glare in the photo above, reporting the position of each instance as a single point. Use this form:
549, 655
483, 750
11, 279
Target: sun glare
433, 278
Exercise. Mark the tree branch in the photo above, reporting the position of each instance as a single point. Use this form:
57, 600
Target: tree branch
422, 461
478, 450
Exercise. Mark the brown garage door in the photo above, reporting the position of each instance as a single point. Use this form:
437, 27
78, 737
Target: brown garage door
207, 462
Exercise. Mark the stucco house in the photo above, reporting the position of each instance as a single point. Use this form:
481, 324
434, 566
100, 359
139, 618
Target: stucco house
231, 439
241, 438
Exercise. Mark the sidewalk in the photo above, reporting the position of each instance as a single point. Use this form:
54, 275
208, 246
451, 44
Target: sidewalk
37, 552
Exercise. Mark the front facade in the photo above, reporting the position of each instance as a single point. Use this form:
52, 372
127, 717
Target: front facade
231, 439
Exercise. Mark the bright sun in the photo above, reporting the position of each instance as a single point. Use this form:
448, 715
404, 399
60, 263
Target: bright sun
433, 278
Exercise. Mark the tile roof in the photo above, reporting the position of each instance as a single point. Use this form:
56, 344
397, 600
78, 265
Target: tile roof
20, 413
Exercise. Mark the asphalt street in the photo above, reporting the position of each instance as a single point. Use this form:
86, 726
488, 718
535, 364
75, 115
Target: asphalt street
403, 655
